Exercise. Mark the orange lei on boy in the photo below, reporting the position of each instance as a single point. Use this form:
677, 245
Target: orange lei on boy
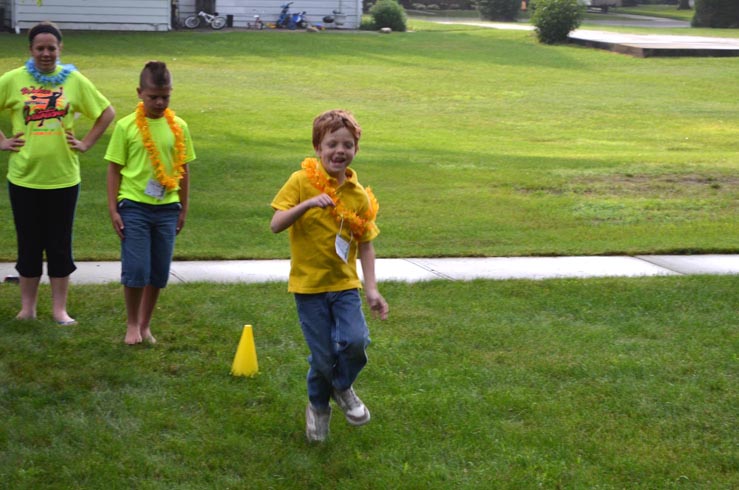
357, 224
170, 182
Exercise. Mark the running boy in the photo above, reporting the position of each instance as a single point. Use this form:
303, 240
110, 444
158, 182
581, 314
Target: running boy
331, 218
148, 185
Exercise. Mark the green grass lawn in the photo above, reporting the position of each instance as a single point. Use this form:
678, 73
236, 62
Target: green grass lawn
602, 383
591, 21
666, 11
476, 141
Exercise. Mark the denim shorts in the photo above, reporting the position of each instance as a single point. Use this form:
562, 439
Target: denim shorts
148, 244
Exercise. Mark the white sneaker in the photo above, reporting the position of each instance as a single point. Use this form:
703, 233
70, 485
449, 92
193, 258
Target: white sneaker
317, 423
354, 410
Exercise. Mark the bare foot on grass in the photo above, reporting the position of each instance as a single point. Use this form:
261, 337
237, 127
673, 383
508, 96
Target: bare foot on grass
147, 336
66, 321
133, 336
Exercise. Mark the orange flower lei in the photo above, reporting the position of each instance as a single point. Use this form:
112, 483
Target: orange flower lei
357, 224
170, 182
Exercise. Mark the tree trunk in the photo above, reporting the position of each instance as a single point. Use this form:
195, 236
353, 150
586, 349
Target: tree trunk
683, 5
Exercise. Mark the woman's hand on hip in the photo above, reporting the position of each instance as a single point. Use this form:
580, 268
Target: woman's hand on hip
76, 144
14, 143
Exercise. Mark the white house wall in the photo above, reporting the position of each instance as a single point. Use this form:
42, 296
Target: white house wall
118, 15
185, 8
156, 15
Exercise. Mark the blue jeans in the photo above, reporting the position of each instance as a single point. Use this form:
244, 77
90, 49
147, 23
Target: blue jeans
337, 335
148, 244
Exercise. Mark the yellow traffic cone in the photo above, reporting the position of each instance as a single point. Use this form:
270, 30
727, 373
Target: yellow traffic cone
245, 362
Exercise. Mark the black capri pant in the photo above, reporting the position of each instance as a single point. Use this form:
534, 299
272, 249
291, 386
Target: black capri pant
43, 223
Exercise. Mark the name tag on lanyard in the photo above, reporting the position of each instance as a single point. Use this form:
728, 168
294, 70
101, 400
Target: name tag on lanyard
155, 189
341, 245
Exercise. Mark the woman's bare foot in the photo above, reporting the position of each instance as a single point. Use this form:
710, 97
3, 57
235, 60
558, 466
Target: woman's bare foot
133, 336
148, 337
65, 321
24, 315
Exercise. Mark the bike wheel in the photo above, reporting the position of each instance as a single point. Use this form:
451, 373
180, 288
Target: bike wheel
192, 22
302, 24
218, 23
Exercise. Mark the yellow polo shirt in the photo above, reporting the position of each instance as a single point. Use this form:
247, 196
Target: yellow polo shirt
315, 267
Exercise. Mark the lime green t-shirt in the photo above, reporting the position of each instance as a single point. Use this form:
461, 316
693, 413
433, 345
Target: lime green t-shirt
43, 114
126, 148
315, 266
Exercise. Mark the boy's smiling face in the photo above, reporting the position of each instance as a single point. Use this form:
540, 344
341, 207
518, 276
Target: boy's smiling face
336, 153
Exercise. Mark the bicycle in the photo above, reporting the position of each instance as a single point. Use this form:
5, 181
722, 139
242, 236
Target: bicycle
215, 20
289, 20
257, 24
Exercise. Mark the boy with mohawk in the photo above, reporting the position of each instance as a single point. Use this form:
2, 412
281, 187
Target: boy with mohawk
148, 190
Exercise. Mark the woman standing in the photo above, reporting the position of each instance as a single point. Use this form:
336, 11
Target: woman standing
43, 170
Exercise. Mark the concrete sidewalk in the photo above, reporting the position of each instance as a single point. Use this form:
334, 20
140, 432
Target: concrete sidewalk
423, 269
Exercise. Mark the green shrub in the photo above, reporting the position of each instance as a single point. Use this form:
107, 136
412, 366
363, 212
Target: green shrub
388, 13
367, 24
554, 19
505, 10
716, 13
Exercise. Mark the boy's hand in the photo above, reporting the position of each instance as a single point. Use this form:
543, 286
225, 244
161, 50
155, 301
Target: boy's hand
283, 219
378, 305
180, 222
117, 224
321, 201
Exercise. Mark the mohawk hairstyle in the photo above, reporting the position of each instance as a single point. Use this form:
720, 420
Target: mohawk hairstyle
156, 74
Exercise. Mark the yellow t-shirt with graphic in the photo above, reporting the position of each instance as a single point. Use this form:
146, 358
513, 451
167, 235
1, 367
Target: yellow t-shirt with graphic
43, 114
315, 266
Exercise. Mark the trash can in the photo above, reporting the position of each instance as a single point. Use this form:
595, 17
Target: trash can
229, 20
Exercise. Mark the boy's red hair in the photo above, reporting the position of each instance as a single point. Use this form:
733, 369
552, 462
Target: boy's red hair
333, 120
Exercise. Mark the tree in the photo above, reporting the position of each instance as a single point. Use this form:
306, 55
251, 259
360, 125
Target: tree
505, 10
716, 13
683, 5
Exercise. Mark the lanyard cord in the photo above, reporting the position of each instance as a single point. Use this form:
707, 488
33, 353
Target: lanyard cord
341, 227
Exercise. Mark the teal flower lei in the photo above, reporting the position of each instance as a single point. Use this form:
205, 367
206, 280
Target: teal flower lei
53, 80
